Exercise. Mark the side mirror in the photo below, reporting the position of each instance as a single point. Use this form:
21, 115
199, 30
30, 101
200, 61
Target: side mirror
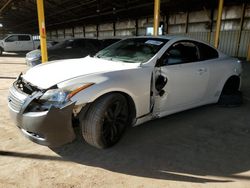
158, 63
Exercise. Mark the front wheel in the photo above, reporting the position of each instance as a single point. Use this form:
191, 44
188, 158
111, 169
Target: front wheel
105, 121
231, 100
1, 51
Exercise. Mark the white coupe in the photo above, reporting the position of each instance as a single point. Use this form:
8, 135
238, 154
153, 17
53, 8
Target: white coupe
132, 81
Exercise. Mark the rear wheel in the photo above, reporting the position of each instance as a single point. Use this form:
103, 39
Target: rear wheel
230, 95
105, 121
1, 51
231, 100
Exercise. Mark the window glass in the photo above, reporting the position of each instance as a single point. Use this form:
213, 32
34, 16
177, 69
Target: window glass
78, 43
62, 45
24, 38
181, 52
96, 44
12, 38
108, 42
207, 52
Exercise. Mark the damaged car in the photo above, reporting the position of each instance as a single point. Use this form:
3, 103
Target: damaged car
126, 84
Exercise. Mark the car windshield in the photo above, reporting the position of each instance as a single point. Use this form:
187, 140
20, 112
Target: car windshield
135, 50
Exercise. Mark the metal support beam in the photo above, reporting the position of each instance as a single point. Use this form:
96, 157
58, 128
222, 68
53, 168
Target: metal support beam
73, 32
156, 17
83, 30
42, 30
186, 24
167, 22
218, 23
97, 31
241, 26
211, 24
5, 5
248, 53
136, 27
114, 29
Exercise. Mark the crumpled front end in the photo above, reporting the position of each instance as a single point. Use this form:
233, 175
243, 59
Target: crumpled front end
50, 126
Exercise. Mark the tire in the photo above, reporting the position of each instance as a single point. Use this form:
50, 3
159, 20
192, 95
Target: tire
1, 51
231, 100
105, 121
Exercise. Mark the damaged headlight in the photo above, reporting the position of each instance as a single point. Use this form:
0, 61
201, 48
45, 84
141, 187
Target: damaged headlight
62, 95
55, 95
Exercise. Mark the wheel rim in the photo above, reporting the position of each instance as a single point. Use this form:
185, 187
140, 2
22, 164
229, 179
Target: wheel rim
115, 120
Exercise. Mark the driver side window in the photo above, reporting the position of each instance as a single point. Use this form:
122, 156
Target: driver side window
13, 38
181, 52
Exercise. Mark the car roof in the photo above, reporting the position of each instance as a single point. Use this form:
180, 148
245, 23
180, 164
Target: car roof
167, 37
74, 39
174, 37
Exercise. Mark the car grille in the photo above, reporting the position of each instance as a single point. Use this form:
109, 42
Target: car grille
19, 92
16, 99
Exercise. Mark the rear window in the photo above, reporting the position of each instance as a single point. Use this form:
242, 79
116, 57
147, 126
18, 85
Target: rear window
182, 52
95, 43
78, 43
23, 37
207, 52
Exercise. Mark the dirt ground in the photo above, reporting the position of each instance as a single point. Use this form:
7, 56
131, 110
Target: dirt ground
204, 147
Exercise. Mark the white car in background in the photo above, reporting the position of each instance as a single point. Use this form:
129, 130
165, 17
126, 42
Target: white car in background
18, 43
128, 83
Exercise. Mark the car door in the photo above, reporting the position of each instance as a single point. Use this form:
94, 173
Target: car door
181, 79
11, 43
25, 43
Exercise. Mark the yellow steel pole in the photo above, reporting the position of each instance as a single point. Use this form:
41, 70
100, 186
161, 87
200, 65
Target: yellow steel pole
218, 23
156, 16
248, 53
42, 30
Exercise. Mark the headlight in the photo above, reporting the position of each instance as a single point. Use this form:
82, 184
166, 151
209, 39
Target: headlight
60, 96
55, 95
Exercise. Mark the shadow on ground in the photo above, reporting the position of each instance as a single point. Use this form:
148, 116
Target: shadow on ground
207, 141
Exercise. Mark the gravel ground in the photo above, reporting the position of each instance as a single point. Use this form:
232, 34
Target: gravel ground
203, 147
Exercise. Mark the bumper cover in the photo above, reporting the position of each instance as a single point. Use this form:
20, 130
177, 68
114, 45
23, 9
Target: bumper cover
51, 128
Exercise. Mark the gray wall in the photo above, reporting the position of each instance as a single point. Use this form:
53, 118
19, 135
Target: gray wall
234, 39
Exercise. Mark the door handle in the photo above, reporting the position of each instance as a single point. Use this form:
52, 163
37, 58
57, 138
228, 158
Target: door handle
202, 70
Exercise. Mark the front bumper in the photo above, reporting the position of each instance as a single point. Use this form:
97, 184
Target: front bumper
51, 128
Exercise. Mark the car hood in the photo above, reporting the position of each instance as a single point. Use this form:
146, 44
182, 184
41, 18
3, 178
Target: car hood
48, 74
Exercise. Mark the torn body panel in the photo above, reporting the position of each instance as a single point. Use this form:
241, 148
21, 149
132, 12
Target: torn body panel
51, 128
